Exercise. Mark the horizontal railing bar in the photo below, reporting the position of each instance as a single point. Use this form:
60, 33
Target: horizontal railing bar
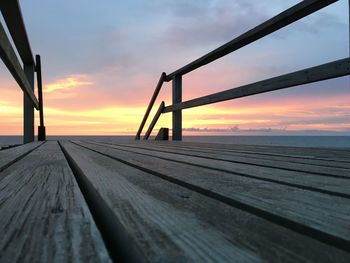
330, 70
12, 14
279, 21
154, 121
150, 105
10, 59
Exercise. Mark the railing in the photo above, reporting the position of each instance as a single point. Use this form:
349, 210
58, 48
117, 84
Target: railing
12, 15
322, 72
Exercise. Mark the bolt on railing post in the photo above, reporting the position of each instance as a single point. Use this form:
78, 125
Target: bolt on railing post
28, 107
41, 127
177, 115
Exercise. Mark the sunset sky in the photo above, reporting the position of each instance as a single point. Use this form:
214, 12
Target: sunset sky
102, 59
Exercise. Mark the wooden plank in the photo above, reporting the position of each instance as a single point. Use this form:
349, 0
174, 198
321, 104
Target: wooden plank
336, 154
322, 72
322, 216
169, 223
308, 181
255, 160
314, 156
11, 155
311, 156
294, 13
12, 14
44, 217
10, 59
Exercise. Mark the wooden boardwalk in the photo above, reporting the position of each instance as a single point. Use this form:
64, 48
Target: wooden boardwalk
95, 201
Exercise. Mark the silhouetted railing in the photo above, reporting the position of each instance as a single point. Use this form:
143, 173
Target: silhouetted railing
330, 70
24, 76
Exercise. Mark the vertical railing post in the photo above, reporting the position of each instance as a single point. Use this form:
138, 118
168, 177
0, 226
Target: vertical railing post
177, 115
28, 107
41, 127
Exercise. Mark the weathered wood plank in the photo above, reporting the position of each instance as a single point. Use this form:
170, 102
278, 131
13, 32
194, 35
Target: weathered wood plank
44, 217
169, 223
336, 154
11, 155
250, 160
321, 216
301, 180
312, 156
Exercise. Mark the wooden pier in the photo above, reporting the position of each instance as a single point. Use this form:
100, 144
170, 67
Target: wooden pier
144, 201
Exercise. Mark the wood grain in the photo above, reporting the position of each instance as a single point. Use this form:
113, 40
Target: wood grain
169, 223
327, 154
44, 217
301, 180
323, 216
309, 156
255, 159
11, 155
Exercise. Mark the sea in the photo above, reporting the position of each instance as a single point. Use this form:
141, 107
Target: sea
295, 141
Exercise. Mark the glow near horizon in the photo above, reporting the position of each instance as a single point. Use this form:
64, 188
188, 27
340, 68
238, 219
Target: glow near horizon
99, 74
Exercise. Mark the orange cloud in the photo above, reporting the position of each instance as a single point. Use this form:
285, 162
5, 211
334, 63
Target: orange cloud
81, 105
68, 83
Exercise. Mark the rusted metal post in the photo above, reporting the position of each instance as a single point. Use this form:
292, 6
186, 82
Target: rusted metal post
28, 107
41, 127
177, 115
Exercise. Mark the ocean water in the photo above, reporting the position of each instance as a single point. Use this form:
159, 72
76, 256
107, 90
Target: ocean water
296, 141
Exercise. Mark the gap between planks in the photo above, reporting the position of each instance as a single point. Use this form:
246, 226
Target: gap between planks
305, 181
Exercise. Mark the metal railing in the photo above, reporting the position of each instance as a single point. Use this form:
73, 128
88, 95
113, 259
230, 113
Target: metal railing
330, 70
24, 76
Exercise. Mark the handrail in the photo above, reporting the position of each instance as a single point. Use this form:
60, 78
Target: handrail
9, 58
150, 105
326, 71
154, 121
12, 14
322, 72
24, 76
275, 23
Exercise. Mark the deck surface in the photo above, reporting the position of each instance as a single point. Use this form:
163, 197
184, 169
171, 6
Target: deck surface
137, 201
